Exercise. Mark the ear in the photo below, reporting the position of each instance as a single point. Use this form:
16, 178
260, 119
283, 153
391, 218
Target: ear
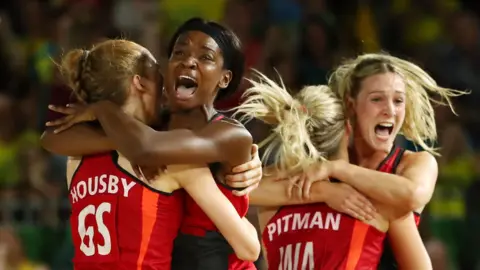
351, 104
225, 80
348, 128
137, 83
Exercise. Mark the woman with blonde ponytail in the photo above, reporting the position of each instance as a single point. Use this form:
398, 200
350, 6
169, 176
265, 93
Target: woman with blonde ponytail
311, 129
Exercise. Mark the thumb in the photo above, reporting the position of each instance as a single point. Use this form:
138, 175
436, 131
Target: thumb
254, 149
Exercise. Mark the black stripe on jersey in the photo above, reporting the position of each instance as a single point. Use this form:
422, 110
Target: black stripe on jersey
114, 155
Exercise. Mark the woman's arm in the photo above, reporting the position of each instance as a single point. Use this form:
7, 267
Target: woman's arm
238, 232
407, 245
79, 140
142, 145
411, 189
339, 196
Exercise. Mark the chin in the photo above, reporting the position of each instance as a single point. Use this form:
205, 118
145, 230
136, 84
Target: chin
379, 146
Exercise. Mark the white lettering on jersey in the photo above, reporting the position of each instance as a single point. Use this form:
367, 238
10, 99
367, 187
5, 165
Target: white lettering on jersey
99, 185
297, 256
302, 221
83, 231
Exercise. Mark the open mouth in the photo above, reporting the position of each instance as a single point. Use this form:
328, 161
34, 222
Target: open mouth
185, 86
384, 130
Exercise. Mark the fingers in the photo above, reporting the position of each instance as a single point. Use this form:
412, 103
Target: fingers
307, 184
69, 109
137, 172
245, 183
367, 204
62, 127
59, 121
299, 187
245, 175
293, 184
359, 210
250, 165
254, 151
245, 191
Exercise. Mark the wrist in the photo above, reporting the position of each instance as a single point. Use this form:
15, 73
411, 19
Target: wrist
336, 168
98, 107
320, 191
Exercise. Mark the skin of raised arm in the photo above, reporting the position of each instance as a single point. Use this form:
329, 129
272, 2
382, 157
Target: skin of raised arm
217, 142
79, 140
275, 193
238, 231
411, 189
407, 245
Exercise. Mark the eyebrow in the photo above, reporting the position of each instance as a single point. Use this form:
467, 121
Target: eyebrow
382, 91
184, 42
208, 48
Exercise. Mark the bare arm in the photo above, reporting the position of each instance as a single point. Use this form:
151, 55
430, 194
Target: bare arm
411, 189
407, 245
79, 140
238, 231
339, 196
275, 193
142, 145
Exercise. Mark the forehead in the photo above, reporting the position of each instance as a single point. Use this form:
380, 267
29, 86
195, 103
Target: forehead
197, 39
385, 82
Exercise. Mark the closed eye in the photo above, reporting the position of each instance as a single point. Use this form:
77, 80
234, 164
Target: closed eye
178, 53
207, 57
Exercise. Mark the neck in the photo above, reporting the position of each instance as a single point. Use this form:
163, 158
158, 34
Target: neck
364, 156
340, 155
195, 118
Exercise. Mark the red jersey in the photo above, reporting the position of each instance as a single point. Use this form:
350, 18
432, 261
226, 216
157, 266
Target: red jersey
387, 261
314, 236
117, 221
200, 238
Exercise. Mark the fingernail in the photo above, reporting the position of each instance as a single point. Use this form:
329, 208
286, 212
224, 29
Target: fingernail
51, 106
55, 131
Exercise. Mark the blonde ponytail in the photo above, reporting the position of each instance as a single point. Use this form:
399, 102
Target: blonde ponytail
301, 135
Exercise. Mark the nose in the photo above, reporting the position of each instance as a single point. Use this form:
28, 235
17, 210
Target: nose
189, 62
389, 109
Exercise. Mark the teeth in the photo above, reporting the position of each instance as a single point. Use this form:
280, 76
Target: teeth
187, 77
388, 125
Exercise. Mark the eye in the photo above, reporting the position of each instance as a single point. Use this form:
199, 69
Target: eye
207, 57
376, 99
399, 101
178, 53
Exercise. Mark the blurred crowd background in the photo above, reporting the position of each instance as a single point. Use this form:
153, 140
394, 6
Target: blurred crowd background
302, 39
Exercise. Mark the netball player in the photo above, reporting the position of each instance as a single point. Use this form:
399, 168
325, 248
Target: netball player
302, 234
119, 221
386, 95
205, 62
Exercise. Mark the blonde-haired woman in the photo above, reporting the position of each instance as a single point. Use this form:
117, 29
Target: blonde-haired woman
300, 233
386, 95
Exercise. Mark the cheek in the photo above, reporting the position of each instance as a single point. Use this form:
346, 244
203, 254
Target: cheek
400, 116
365, 116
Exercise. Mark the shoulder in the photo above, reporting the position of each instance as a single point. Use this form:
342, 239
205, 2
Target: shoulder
230, 133
422, 160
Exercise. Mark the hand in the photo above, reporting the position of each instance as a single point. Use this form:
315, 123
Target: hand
247, 175
75, 113
343, 198
303, 182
